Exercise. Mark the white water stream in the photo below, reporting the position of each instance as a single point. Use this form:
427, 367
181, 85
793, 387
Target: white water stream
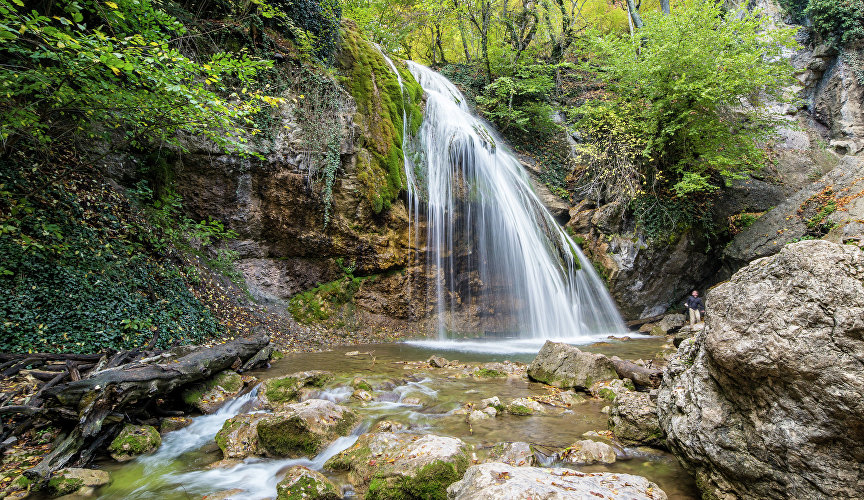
497, 251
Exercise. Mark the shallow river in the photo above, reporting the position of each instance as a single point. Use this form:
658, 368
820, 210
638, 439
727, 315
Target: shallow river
180, 469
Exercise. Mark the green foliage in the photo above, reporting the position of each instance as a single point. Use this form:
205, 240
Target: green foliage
666, 218
682, 80
840, 22
519, 101
82, 271
313, 24
322, 302
111, 71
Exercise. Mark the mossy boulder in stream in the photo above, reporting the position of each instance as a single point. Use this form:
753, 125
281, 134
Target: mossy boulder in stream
633, 419
66, 481
238, 437
564, 366
301, 483
398, 466
209, 395
304, 429
276, 393
134, 440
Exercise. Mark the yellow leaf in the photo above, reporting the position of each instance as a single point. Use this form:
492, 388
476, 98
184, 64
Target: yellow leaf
115, 70
111, 4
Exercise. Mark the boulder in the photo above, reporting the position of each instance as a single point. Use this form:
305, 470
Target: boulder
402, 465
610, 389
524, 407
171, 424
71, 480
669, 322
633, 420
278, 392
134, 440
301, 483
519, 454
209, 395
497, 480
493, 402
587, 452
766, 401
304, 429
565, 367
300, 430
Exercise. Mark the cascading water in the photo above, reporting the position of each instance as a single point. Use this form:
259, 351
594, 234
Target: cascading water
499, 256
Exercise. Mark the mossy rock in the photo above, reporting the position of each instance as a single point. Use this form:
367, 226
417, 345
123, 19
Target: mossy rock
238, 437
171, 424
305, 429
361, 384
277, 392
208, 396
402, 465
66, 481
134, 440
487, 373
301, 483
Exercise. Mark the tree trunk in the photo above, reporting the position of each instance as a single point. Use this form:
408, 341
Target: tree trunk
634, 15
664, 5
641, 376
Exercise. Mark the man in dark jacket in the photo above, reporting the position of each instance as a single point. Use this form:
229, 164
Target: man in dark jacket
695, 307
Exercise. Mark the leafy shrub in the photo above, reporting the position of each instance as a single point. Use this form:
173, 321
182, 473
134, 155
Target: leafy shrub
840, 22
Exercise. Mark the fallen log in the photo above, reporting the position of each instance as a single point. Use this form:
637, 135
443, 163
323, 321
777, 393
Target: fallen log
102, 401
641, 321
640, 375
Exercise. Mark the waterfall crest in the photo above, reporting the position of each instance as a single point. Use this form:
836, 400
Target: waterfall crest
497, 254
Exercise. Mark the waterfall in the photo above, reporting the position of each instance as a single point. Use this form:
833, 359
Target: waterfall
501, 262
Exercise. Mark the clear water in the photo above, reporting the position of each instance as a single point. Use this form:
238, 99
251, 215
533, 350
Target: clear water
184, 466
502, 262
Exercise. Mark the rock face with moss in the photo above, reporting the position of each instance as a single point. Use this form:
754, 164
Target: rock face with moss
402, 465
72, 480
298, 430
301, 483
633, 419
304, 429
766, 401
208, 396
276, 393
565, 367
134, 440
496, 480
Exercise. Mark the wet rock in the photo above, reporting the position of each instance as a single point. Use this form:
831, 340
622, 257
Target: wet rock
437, 362
304, 429
360, 395
171, 424
278, 392
224, 495
610, 389
361, 384
238, 437
633, 419
524, 407
565, 366
301, 483
134, 440
412, 401
766, 401
388, 426
399, 465
72, 480
588, 452
518, 454
669, 322
497, 480
477, 416
208, 396
494, 402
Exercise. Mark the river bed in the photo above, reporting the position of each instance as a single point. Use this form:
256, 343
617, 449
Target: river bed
182, 467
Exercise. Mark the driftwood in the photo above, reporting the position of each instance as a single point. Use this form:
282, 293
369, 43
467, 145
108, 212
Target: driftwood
116, 387
640, 375
639, 322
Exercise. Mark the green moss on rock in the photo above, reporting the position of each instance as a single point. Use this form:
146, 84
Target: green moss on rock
134, 440
429, 482
366, 75
519, 410
301, 483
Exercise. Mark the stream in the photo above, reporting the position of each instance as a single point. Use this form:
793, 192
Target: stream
182, 467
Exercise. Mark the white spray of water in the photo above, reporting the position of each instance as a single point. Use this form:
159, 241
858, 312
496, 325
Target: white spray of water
489, 234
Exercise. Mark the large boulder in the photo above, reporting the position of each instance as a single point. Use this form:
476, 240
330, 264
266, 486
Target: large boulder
134, 440
496, 480
301, 483
766, 401
71, 480
300, 430
305, 429
402, 465
633, 419
588, 452
564, 366
276, 393
211, 394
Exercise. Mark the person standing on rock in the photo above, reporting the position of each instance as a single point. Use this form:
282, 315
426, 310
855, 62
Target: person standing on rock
695, 307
